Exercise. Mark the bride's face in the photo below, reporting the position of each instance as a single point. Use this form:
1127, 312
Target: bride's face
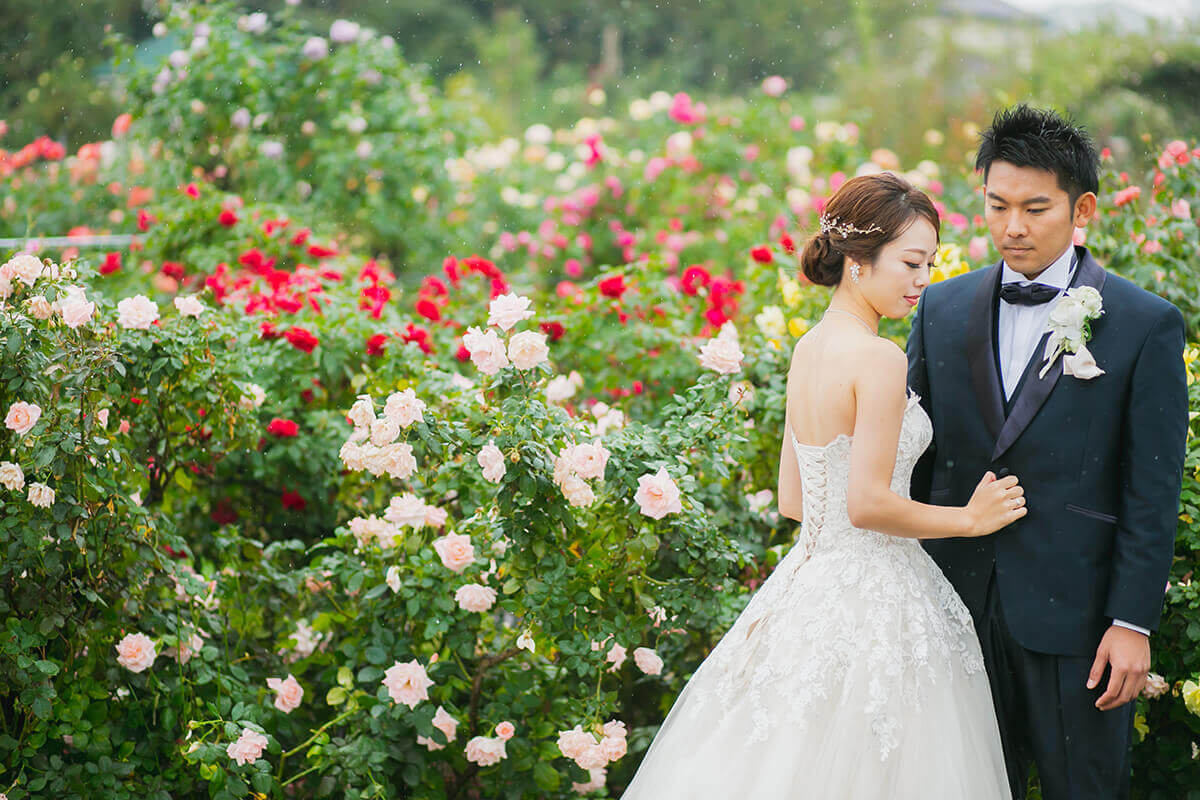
893, 284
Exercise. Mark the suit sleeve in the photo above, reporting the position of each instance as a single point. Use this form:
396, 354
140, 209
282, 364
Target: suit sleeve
1153, 443
918, 383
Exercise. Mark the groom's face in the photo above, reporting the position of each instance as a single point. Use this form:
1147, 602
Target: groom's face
1030, 216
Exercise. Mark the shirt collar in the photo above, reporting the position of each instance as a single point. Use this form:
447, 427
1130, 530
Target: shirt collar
1057, 274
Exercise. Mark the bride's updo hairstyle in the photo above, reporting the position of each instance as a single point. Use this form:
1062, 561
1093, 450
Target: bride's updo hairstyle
863, 215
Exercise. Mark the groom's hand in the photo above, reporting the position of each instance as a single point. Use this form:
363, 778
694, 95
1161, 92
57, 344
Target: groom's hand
1128, 654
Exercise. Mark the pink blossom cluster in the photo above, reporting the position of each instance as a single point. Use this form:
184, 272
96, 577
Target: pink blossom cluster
585, 750
574, 465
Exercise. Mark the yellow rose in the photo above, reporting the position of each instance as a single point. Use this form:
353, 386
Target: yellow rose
1191, 696
797, 326
1140, 726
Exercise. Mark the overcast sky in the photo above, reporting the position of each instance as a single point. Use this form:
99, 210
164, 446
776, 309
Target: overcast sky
1159, 8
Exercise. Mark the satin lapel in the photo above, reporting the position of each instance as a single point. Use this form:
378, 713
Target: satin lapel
981, 351
1035, 390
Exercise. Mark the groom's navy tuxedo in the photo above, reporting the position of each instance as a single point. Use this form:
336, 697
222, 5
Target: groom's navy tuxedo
1101, 463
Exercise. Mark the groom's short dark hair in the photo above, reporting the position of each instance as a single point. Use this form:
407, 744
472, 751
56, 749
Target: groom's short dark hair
1036, 137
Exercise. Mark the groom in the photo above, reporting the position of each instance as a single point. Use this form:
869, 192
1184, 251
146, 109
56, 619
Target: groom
1065, 599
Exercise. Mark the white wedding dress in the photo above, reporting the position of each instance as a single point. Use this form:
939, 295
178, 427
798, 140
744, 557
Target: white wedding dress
853, 674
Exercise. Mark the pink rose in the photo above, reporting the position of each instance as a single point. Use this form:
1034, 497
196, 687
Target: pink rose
527, 349
406, 509
102, 417
1181, 209
492, 461
288, 693
75, 308
505, 730
248, 748
435, 517
722, 353
486, 350
40, 495
445, 723
455, 550
187, 647
648, 661
135, 652
474, 597
22, 417
407, 683
138, 312
485, 751
395, 459
977, 250
12, 477
429, 744
596, 781
614, 727
40, 308
404, 408
657, 495
189, 306
774, 85
24, 267
588, 460
613, 747
573, 743
616, 657
384, 431
507, 310
1156, 686
577, 492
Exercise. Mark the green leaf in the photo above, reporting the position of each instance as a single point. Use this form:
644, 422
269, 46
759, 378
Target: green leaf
546, 777
47, 667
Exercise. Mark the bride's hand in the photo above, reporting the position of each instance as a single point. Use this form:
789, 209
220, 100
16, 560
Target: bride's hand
996, 502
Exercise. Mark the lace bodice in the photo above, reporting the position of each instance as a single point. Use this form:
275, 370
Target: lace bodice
825, 474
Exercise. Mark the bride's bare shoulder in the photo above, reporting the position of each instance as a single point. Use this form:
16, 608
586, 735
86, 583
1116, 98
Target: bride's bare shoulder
881, 364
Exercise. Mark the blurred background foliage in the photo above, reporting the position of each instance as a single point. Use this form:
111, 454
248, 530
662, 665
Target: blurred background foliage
898, 68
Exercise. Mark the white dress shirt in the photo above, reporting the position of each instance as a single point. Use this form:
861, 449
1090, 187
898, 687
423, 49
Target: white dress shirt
1020, 328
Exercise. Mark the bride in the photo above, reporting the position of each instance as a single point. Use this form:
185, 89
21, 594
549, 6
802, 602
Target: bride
854, 673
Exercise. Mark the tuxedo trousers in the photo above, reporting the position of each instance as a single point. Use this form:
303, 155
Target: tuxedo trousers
1048, 717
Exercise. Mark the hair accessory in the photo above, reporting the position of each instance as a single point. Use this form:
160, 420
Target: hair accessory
831, 225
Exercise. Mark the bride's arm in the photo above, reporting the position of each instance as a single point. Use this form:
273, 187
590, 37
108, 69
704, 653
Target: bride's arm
880, 400
791, 503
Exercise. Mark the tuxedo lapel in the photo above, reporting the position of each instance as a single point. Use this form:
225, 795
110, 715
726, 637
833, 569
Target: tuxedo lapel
981, 351
1034, 390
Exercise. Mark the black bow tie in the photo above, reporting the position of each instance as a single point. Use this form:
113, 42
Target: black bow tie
1031, 294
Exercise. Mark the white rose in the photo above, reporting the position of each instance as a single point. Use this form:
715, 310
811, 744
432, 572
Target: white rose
75, 307
577, 492
254, 397
404, 407
492, 461
11, 476
722, 353
384, 431
486, 349
562, 387
406, 509
527, 349
393, 578
40, 308
41, 495
138, 312
771, 322
507, 310
25, 267
1068, 315
362, 413
189, 306
1089, 298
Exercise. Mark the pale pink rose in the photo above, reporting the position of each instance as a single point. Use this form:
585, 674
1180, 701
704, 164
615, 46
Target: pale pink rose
657, 495
6, 286
455, 550
575, 742
40, 308
435, 517
343, 31
648, 661
614, 727
592, 757
445, 723
485, 751
189, 306
124, 426
577, 492
75, 308
138, 312
505, 730
774, 85
588, 460
507, 310
614, 747
315, 48
977, 249
562, 387
1181, 209
384, 431
597, 778
25, 267
527, 349
40, 495
406, 509
102, 417
135, 652
407, 683
426, 742
722, 353
492, 461
562, 469
372, 529
288, 693
22, 417
1156, 686
396, 459
474, 597
362, 413
248, 748
486, 349
616, 657
188, 647
354, 456
405, 408
306, 639
12, 476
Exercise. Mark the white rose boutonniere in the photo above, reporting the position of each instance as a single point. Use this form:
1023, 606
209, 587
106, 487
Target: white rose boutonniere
1070, 329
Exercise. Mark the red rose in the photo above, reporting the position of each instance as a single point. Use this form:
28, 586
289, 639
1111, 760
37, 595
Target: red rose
434, 287
695, 277
428, 309
613, 287
223, 513
762, 254
419, 335
282, 427
482, 266
317, 251
145, 220
787, 243
173, 269
293, 501
374, 298
499, 287
227, 217
268, 330
112, 263
377, 344
553, 330
301, 237
715, 317
450, 267
302, 339
463, 353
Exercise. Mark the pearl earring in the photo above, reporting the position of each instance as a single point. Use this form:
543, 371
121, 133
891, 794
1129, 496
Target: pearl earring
854, 272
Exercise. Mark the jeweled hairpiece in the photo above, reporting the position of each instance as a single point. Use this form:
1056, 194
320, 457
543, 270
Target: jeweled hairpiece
844, 229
